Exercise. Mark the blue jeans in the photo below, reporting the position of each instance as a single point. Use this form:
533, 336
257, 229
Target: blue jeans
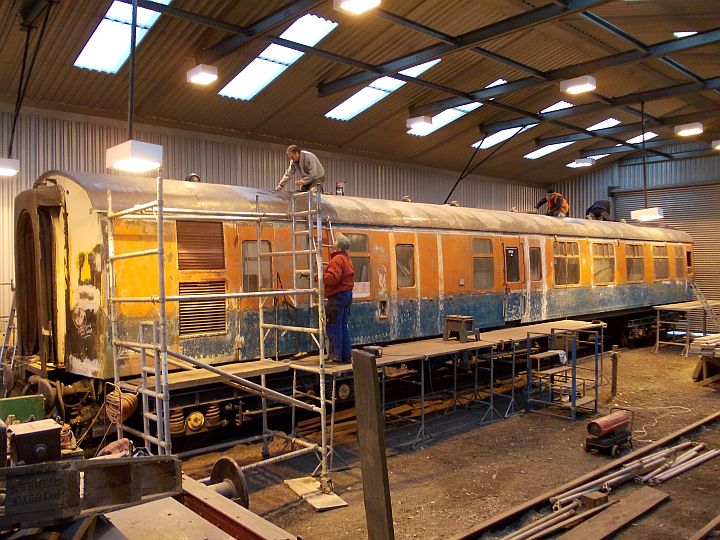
337, 314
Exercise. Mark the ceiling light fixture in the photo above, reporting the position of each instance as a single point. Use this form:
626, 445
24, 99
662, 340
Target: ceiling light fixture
578, 85
687, 130
356, 7
418, 122
655, 212
647, 214
9, 167
584, 162
133, 156
203, 74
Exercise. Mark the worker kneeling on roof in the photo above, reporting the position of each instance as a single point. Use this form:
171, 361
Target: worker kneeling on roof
557, 205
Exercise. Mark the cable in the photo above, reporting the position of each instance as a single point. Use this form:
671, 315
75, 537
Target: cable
644, 428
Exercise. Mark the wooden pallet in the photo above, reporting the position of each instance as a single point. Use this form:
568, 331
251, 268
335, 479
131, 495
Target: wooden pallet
49, 493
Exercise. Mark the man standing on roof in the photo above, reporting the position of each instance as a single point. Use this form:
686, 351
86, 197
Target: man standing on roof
599, 210
557, 205
307, 165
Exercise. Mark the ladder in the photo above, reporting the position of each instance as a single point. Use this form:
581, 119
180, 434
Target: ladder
10, 329
156, 421
709, 311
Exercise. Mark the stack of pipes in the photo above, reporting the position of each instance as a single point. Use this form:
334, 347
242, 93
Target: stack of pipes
652, 469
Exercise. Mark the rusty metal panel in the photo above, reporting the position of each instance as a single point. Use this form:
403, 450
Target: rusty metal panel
202, 316
201, 245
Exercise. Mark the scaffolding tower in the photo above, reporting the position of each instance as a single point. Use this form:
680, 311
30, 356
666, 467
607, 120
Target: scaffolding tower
304, 215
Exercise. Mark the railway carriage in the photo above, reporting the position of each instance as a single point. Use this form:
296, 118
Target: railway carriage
415, 263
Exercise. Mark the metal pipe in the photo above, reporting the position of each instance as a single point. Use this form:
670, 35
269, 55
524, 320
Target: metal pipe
679, 460
161, 356
272, 394
131, 254
131, 93
674, 471
199, 297
256, 214
594, 483
539, 524
306, 329
281, 457
664, 452
137, 208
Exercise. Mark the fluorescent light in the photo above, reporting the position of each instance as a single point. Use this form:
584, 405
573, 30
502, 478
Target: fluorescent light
683, 34
447, 116
419, 121
647, 214
109, 45
578, 85
374, 92
715, 145
355, 6
687, 130
635, 140
307, 30
202, 74
134, 156
9, 167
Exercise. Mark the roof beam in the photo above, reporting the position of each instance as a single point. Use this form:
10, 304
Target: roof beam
576, 70
648, 95
648, 144
676, 155
464, 41
289, 11
624, 128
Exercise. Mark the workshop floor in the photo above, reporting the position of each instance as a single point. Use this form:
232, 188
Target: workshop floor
468, 472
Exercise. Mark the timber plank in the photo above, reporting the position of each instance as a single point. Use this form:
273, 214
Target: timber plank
714, 525
605, 524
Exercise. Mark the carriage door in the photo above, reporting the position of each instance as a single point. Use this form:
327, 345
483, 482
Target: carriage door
514, 301
535, 297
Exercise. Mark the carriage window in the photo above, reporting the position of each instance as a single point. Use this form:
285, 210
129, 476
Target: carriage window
483, 267
360, 256
679, 261
635, 265
200, 245
535, 264
566, 262
661, 262
689, 261
250, 269
405, 260
603, 263
512, 265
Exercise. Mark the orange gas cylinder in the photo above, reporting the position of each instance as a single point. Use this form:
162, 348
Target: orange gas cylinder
607, 424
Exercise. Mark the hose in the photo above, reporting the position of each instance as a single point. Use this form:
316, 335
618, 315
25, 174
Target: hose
119, 406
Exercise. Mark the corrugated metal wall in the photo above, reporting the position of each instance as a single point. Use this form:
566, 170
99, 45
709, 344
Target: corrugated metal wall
693, 209
47, 140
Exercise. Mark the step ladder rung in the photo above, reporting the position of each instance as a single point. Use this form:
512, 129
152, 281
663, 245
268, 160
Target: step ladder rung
151, 416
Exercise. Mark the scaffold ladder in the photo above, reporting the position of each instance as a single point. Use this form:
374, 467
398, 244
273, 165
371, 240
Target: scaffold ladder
709, 311
158, 418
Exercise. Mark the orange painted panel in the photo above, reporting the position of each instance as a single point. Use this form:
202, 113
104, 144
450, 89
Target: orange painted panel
457, 263
429, 272
405, 238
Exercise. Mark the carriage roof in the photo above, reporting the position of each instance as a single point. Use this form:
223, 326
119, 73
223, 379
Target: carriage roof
131, 190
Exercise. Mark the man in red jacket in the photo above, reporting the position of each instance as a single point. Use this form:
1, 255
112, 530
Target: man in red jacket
338, 279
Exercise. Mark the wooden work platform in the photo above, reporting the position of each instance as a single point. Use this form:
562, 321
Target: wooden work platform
192, 378
518, 333
397, 354
686, 306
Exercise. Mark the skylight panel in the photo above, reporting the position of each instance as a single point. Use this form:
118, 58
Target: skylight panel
545, 150
447, 116
549, 149
607, 123
307, 30
557, 107
374, 92
648, 135
109, 45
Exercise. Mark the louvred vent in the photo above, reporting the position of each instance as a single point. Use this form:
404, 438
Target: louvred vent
200, 245
202, 316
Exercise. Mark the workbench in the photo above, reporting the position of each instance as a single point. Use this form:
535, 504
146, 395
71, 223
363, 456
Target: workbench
684, 309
